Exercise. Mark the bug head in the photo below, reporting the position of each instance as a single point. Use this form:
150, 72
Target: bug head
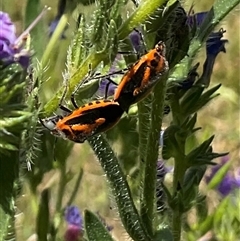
161, 48
50, 123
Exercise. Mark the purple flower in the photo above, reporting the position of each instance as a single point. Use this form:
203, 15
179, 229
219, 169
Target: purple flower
11, 47
73, 216
214, 45
9, 51
230, 180
75, 224
195, 20
135, 39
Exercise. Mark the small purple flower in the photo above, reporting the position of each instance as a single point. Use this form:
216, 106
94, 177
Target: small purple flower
8, 51
11, 47
195, 20
73, 216
229, 182
135, 40
214, 45
75, 224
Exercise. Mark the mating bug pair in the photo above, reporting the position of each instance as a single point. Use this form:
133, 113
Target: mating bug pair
101, 115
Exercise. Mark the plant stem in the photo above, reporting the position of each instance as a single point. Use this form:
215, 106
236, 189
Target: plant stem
176, 225
149, 188
117, 180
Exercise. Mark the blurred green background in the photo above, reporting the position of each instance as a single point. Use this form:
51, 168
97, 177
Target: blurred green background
221, 116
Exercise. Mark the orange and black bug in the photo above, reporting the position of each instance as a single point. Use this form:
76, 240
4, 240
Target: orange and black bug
88, 120
85, 121
139, 80
141, 77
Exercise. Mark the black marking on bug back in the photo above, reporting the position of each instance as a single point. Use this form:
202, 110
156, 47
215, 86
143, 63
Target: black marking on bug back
111, 114
108, 112
154, 63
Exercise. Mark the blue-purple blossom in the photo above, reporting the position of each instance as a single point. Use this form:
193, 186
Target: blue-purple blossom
230, 181
73, 216
214, 45
135, 39
10, 52
74, 220
195, 20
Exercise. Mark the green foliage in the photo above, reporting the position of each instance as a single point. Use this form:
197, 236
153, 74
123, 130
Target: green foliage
94, 228
93, 48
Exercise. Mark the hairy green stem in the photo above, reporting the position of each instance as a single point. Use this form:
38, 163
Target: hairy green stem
147, 205
127, 210
176, 225
143, 130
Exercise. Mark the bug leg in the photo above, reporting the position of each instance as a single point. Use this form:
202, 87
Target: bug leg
89, 76
110, 81
110, 74
64, 108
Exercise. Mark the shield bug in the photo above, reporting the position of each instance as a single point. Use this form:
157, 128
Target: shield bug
140, 78
85, 121
88, 120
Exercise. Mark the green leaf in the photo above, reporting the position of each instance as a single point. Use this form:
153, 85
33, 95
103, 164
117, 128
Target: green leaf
219, 175
42, 228
163, 234
94, 228
198, 151
170, 147
99, 27
87, 90
190, 99
111, 41
4, 218
77, 50
32, 10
